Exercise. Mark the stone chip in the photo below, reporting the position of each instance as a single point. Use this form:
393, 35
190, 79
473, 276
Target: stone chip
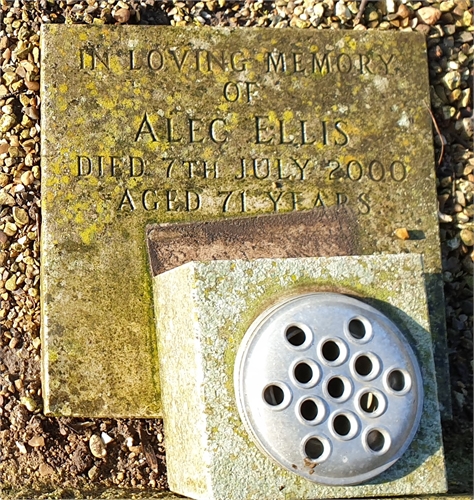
467, 237
429, 15
20, 215
36, 441
97, 446
6, 198
7, 122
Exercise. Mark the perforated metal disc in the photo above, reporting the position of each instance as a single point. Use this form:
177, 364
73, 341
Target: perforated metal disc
329, 388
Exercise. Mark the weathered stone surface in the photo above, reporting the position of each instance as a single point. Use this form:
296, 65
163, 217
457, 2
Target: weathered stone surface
198, 338
148, 124
314, 233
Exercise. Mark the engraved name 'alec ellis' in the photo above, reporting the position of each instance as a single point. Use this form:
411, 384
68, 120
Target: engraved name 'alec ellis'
267, 129
197, 60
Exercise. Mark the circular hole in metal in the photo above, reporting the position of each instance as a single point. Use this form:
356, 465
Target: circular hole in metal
295, 336
369, 402
303, 373
336, 387
314, 448
396, 380
363, 365
342, 425
366, 365
375, 440
357, 329
274, 395
309, 409
330, 350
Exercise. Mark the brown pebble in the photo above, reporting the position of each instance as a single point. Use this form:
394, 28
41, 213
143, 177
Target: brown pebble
467, 237
21, 71
429, 15
402, 233
32, 85
32, 112
97, 446
45, 470
460, 198
404, 12
20, 215
93, 473
7, 53
27, 178
423, 29
7, 122
10, 228
6, 199
36, 441
122, 15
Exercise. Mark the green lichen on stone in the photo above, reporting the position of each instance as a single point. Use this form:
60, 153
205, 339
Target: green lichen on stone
150, 124
198, 340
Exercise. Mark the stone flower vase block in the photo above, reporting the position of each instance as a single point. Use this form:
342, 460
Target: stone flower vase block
203, 311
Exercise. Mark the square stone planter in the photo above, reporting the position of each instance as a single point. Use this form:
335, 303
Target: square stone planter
203, 311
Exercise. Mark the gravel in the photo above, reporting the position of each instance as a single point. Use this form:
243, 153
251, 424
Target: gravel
61, 455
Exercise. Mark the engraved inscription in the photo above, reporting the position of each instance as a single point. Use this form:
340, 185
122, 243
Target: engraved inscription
305, 63
193, 130
276, 170
197, 60
298, 158
296, 132
200, 60
236, 201
93, 58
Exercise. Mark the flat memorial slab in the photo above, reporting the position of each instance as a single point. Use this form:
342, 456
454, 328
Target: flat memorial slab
148, 125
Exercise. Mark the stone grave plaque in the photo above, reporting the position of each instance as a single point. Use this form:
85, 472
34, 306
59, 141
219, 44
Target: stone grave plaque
146, 125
